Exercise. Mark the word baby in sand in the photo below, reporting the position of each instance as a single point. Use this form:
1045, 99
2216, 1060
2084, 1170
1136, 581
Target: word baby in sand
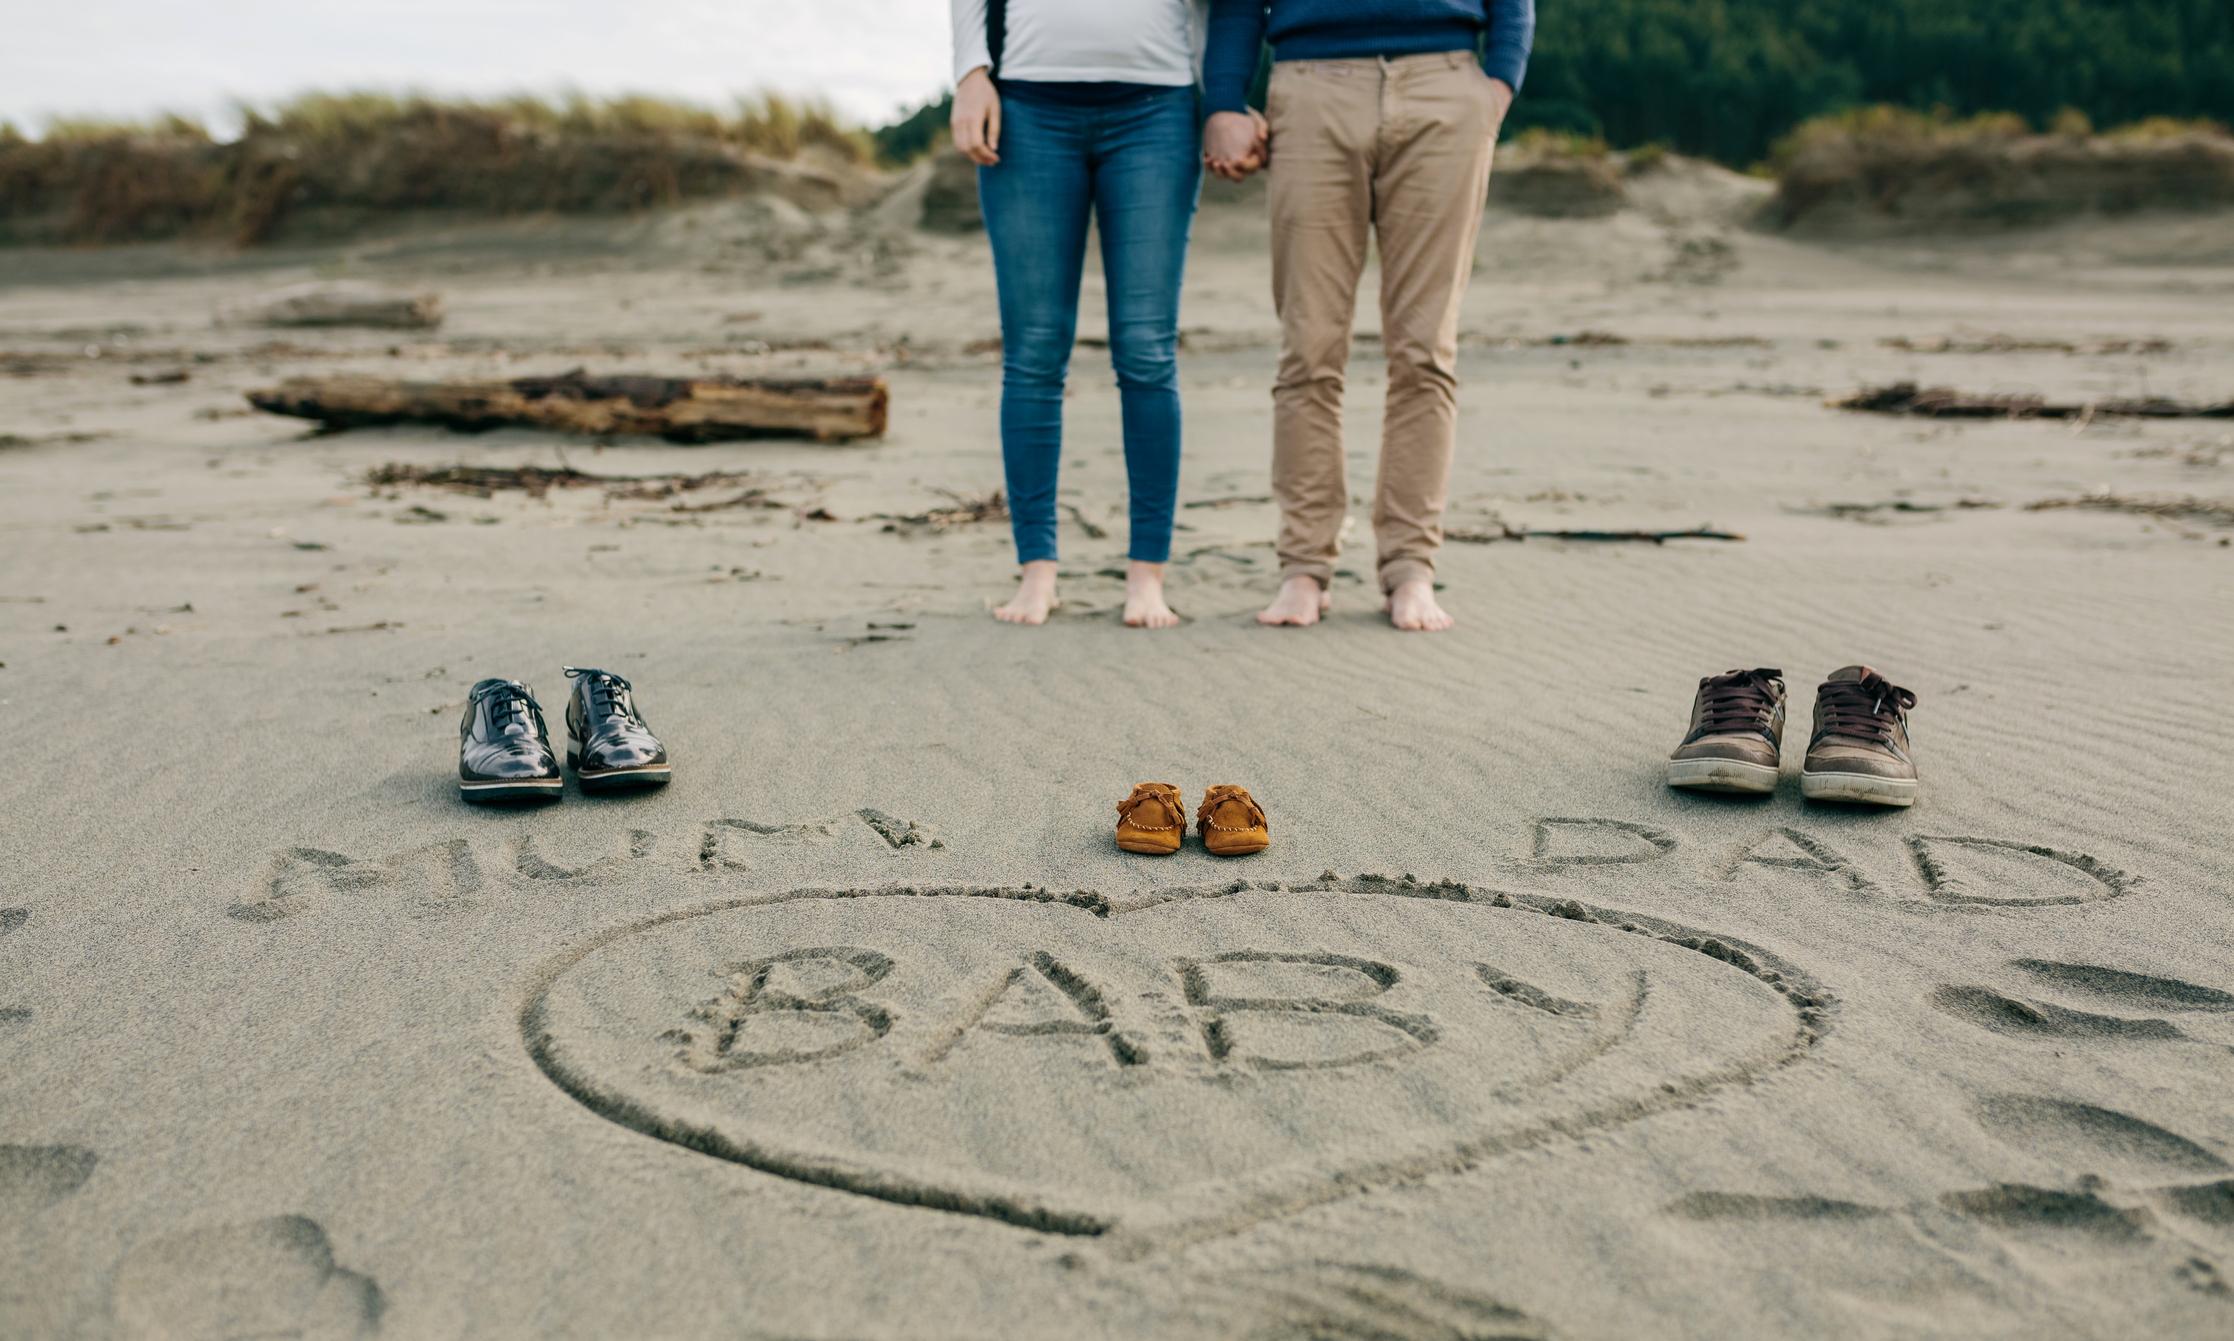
810, 1003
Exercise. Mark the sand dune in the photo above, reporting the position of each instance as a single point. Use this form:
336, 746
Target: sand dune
861, 1028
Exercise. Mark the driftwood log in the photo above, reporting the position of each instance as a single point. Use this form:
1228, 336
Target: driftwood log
339, 305
1941, 402
679, 409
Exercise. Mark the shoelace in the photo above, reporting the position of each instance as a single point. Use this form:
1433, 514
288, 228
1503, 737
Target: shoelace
1221, 794
1739, 700
1142, 796
1864, 709
510, 704
610, 695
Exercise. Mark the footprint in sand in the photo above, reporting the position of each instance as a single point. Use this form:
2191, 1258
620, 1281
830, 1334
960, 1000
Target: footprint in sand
2082, 1247
34, 1177
2091, 1138
1969, 1258
263, 1278
1341, 1301
2097, 986
2097, 1229
11, 919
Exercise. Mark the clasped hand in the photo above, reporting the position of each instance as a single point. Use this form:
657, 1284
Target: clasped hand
1235, 144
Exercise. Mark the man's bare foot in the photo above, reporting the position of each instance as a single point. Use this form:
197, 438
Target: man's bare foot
1412, 607
1144, 597
1300, 603
1035, 595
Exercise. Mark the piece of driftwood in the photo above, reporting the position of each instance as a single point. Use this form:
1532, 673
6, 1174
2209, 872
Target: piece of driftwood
339, 305
1941, 402
679, 409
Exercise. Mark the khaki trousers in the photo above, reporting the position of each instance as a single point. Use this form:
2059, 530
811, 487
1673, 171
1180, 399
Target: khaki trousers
1400, 146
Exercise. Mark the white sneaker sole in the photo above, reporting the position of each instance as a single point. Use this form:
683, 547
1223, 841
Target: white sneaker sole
1858, 788
1722, 775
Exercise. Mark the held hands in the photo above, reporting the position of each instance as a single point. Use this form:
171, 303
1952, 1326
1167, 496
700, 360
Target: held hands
1235, 144
977, 118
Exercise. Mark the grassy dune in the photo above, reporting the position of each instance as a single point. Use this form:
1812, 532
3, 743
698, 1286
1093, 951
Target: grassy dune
330, 164
1891, 166
351, 155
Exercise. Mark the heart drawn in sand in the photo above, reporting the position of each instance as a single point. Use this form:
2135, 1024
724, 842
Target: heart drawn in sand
1186, 1063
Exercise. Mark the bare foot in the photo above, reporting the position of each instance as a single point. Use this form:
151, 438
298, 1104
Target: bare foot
1035, 595
1412, 607
1144, 597
1300, 603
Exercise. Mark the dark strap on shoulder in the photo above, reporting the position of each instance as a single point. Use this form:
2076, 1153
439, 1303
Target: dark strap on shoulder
996, 32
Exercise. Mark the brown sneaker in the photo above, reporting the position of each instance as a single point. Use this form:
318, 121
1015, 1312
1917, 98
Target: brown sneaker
1232, 824
1859, 751
1737, 734
1153, 820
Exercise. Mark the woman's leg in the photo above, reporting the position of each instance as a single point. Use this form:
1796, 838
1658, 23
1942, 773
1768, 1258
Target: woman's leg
1035, 202
1147, 176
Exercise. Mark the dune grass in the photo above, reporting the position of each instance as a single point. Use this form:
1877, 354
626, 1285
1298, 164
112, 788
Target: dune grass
1931, 169
366, 153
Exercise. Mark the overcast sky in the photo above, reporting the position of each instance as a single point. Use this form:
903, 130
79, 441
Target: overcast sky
135, 57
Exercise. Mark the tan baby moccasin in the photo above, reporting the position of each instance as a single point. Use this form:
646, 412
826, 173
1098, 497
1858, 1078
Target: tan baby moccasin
1153, 820
1232, 824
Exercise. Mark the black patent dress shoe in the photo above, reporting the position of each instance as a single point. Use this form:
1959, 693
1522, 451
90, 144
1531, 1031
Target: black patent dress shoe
607, 742
504, 749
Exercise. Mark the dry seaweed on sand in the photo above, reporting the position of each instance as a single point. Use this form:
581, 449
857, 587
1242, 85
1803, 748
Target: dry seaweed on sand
2217, 512
1939, 402
1500, 531
965, 510
1871, 511
1227, 501
538, 481
1093, 529
2011, 344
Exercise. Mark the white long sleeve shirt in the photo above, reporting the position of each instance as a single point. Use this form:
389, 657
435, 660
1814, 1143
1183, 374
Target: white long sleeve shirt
1118, 41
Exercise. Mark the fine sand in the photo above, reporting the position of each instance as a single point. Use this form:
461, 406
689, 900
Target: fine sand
862, 1028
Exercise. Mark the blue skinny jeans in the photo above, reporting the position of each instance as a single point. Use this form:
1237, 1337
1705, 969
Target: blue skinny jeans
1135, 167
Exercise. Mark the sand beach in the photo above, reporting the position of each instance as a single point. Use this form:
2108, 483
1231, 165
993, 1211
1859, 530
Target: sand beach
863, 1028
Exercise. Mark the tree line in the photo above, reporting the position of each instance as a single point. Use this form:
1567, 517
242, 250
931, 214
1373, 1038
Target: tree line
1726, 79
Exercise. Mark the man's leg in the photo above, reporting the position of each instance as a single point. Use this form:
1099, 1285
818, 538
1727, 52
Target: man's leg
1324, 115
1428, 196
1146, 179
1035, 203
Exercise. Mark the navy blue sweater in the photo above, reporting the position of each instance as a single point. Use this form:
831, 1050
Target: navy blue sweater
1303, 30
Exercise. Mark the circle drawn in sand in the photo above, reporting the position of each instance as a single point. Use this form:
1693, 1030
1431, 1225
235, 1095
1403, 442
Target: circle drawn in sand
1187, 1064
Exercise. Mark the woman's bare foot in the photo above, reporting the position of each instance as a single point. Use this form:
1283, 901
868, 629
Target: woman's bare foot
1035, 595
1144, 597
1412, 607
1300, 603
